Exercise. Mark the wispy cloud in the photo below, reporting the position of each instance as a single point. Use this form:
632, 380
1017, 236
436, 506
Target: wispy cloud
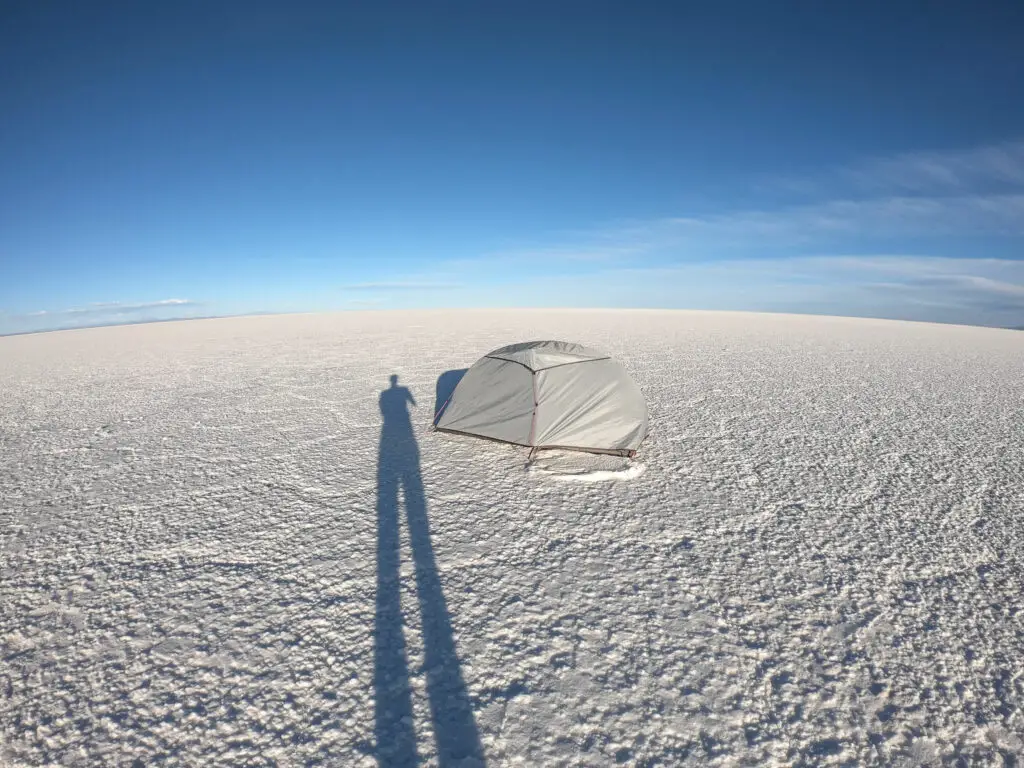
794, 256
970, 193
985, 279
367, 302
99, 313
411, 285
936, 172
985, 291
909, 287
988, 169
904, 216
596, 252
115, 307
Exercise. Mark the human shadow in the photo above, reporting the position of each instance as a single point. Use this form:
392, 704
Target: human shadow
451, 713
446, 384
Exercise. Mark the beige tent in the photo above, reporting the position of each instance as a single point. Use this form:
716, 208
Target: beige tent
548, 394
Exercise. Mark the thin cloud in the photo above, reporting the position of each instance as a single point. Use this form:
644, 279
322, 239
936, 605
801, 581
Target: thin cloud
908, 287
995, 274
825, 224
115, 307
974, 192
961, 203
596, 253
99, 314
936, 172
375, 302
986, 286
891, 216
754, 258
410, 285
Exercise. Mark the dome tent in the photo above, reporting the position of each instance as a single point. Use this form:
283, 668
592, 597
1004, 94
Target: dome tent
548, 394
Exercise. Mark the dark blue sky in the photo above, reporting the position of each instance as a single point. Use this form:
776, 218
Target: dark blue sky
168, 159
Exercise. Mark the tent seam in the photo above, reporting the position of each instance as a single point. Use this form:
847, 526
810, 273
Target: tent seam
549, 367
533, 419
506, 360
573, 362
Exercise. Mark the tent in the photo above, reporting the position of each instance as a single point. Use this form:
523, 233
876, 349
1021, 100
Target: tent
548, 394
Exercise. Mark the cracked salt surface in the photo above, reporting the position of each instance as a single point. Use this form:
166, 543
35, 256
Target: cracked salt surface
819, 564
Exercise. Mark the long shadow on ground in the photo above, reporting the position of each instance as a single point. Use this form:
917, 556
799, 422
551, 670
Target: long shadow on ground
451, 712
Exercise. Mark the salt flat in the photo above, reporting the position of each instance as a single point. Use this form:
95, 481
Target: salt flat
211, 554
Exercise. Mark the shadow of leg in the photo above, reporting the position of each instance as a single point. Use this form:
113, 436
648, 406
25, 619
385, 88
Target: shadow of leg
451, 711
394, 730
450, 708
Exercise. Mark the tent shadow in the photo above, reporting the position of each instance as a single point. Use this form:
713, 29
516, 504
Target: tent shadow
451, 711
446, 384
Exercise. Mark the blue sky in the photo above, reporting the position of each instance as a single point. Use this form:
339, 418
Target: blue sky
181, 159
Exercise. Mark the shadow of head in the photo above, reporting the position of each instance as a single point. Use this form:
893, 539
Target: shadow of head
395, 401
446, 384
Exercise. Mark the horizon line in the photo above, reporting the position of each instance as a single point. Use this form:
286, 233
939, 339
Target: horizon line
269, 313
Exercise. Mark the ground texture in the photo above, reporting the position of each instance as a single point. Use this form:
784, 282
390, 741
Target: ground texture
214, 553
